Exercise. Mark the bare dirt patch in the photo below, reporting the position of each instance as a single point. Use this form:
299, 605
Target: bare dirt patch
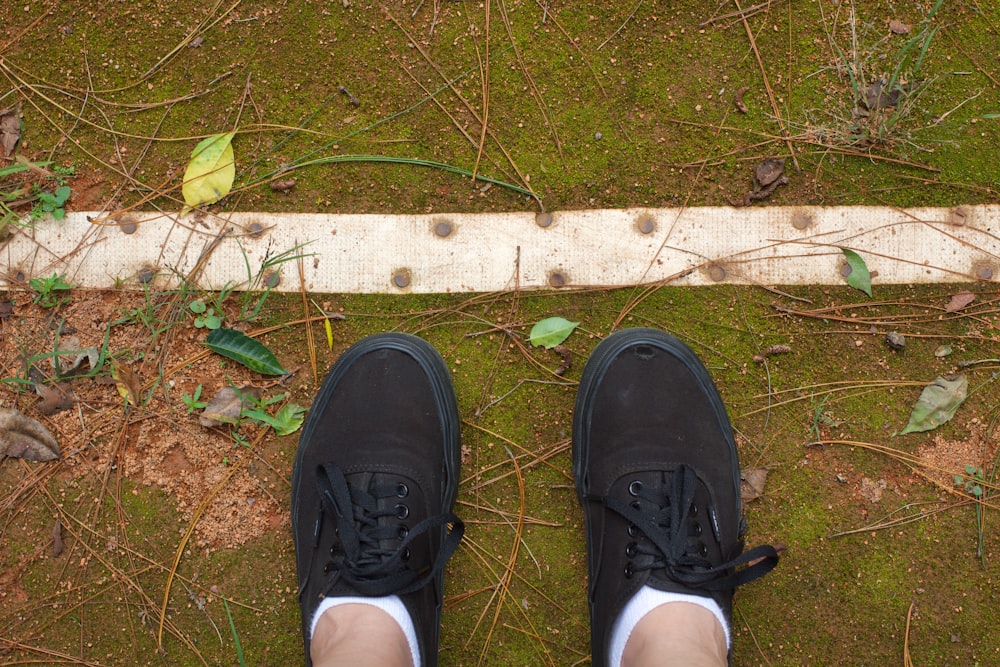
160, 442
944, 458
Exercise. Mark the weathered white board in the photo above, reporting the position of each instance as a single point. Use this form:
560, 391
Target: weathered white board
481, 252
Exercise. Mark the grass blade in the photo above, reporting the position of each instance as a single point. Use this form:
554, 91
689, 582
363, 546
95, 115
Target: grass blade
236, 636
422, 163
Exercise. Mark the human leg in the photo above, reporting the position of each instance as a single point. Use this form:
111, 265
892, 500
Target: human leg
343, 636
657, 474
375, 477
688, 633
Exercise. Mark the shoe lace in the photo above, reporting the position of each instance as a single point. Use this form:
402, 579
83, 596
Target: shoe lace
666, 530
360, 560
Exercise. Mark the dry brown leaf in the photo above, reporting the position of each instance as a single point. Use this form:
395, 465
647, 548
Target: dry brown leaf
567, 359
897, 27
10, 131
960, 301
738, 100
25, 438
286, 185
55, 398
57, 543
769, 171
6, 309
770, 352
126, 382
752, 483
70, 357
227, 406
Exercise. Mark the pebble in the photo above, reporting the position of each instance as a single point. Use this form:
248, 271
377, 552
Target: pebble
895, 340
598, 136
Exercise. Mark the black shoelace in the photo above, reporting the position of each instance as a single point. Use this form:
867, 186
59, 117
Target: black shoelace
369, 568
664, 528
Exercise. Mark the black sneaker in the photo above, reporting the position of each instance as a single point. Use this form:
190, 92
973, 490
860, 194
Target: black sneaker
657, 473
375, 477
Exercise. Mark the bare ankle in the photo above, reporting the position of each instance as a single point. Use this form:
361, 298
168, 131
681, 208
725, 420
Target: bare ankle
690, 634
359, 635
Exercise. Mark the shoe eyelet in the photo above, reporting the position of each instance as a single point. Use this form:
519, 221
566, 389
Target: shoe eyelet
629, 571
702, 549
402, 531
694, 510
402, 490
402, 511
633, 530
631, 549
635, 505
634, 487
405, 556
695, 529
327, 568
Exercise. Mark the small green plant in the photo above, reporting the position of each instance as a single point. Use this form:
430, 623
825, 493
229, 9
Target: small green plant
205, 315
972, 482
194, 402
9, 218
49, 290
60, 170
287, 420
821, 417
52, 203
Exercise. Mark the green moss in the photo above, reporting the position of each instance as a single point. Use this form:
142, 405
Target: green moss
641, 90
659, 91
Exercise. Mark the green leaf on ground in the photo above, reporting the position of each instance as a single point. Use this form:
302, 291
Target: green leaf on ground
286, 421
551, 331
937, 404
210, 173
237, 346
859, 277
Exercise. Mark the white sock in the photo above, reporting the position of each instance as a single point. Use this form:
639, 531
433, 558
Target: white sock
391, 605
643, 602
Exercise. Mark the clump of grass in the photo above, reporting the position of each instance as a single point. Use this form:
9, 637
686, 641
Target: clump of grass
884, 81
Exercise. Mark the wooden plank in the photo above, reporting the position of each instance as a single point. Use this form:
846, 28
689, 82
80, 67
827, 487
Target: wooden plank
479, 252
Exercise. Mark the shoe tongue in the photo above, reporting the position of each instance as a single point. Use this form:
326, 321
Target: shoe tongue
645, 455
387, 453
362, 480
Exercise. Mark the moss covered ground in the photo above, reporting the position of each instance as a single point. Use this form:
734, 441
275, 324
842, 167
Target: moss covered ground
631, 104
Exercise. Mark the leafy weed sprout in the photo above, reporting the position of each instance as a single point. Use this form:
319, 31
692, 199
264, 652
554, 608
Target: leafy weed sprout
50, 291
193, 401
52, 203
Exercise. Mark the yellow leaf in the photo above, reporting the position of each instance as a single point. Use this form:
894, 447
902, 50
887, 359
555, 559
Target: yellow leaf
329, 333
210, 173
126, 383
